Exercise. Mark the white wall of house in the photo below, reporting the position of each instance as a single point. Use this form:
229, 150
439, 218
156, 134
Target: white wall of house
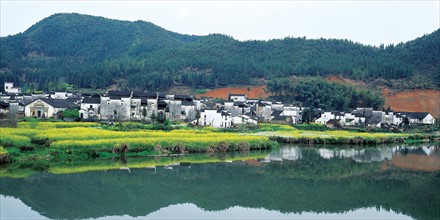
325, 117
352, 120
238, 98
243, 119
89, 110
59, 95
214, 119
9, 88
278, 106
428, 120
118, 109
188, 112
39, 108
135, 108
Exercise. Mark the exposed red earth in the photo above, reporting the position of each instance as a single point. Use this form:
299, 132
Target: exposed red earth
253, 92
427, 100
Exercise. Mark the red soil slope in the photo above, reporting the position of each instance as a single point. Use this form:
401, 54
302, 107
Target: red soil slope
427, 100
412, 100
253, 92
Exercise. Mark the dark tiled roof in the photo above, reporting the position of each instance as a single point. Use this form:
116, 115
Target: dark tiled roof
119, 93
376, 118
91, 100
4, 104
188, 103
415, 115
59, 103
183, 97
337, 113
277, 116
150, 95
239, 104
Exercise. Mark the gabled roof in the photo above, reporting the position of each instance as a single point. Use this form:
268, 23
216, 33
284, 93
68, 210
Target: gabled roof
119, 94
239, 104
188, 103
149, 95
277, 116
183, 97
376, 117
415, 115
58, 103
91, 100
337, 113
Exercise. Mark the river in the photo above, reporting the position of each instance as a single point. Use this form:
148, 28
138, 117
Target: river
298, 182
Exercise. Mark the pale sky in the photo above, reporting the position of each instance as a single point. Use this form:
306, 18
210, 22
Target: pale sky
366, 22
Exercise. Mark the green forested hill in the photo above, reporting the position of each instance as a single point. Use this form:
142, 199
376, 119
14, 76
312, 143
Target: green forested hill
95, 52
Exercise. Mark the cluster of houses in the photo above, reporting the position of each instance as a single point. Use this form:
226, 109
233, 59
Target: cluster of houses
236, 110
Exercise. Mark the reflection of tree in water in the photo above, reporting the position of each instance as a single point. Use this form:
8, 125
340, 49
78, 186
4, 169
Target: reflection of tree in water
311, 184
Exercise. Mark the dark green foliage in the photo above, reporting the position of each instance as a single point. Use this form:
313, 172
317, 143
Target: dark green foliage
95, 52
319, 93
311, 127
71, 113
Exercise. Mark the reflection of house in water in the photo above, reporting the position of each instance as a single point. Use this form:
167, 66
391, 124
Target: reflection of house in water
417, 158
423, 158
284, 153
362, 155
374, 155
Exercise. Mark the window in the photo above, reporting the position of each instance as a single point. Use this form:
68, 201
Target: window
115, 112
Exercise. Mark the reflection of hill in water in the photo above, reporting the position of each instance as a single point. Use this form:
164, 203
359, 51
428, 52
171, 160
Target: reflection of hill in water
311, 184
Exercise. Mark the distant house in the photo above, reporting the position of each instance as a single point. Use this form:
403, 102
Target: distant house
278, 118
424, 118
115, 106
90, 107
9, 88
238, 97
215, 118
244, 119
61, 95
333, 123
333, 115
264, 111
46, 108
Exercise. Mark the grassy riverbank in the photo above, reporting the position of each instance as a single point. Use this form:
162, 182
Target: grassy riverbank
61, 141
57, 141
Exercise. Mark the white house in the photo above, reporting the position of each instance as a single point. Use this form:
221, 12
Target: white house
238, 97
46, 108
9, 88
244, 119
61, 95
215, 118
115, 107
327, 116
90, 107
424, 118
294, 112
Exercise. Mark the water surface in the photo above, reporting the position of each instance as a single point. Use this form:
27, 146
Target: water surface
290, 182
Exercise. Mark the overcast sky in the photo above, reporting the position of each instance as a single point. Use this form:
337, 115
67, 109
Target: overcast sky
367, 22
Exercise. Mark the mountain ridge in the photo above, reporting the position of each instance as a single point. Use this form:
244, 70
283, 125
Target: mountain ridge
95, 52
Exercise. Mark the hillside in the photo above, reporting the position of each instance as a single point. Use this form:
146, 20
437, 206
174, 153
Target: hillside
95, 52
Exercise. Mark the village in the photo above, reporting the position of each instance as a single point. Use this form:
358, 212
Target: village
238, 109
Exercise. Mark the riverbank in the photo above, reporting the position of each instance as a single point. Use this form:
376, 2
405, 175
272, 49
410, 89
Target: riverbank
70, 141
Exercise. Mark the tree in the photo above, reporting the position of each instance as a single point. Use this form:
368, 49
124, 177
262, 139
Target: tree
198, 116
144, 112
71, 113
